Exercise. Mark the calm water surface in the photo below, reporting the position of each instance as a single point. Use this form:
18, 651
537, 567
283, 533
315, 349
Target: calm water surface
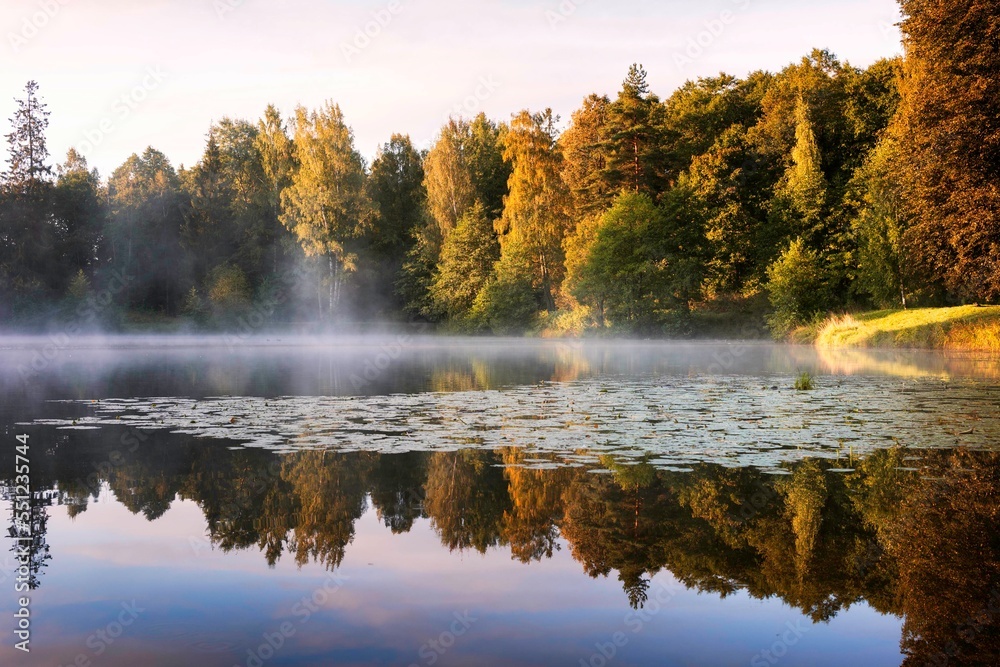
407, 501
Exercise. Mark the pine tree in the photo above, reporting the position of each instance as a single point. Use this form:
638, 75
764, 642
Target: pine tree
208, 230
396, 189
27, 149
634, 148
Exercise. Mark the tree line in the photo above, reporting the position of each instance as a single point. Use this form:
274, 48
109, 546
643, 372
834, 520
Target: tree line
817, 188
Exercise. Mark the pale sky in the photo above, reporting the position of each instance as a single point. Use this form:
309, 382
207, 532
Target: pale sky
119, 75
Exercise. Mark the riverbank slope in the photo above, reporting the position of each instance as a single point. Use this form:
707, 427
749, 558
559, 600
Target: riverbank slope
964, 328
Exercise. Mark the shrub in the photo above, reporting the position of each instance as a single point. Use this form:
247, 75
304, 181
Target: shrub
798, 288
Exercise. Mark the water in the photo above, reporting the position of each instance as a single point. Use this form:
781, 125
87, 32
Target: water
496, 502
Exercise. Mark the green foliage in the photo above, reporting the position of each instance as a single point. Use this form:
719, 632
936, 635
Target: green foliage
417, 273
230, 289
79, 287
325, 205
508, 303
145, 232
536, 215
466, 265
880, 227
804, 382
797, 286
194, 305
633, 136
395, 187
28, 172
823, 184
584, 150
614, 268
728, 185
466, 165
805, 186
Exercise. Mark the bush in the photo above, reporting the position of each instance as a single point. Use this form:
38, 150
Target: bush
230, 289
505, 306
798, 288
79, 287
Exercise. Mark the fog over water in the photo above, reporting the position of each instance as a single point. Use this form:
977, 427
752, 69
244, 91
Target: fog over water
731, 403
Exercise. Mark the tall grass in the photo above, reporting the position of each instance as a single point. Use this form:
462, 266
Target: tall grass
967, 328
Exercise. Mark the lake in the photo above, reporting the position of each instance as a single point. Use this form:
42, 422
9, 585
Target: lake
397, 500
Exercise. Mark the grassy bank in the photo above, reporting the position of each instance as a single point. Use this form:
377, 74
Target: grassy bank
969, 328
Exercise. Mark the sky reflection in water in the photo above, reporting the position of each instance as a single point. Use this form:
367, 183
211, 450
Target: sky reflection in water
542, 562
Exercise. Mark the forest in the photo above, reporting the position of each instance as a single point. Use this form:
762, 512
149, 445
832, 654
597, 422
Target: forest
733, 202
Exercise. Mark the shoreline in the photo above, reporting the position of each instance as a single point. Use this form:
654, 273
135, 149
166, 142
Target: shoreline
956, 329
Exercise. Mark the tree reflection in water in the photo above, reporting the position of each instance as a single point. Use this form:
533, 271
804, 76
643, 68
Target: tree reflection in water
912, 533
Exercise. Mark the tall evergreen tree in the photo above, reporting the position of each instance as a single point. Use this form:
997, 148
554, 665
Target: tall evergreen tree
28, 234
28, 154
396, 189
635, 150
805, 185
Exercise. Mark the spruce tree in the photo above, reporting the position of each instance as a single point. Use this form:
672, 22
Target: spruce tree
28, 153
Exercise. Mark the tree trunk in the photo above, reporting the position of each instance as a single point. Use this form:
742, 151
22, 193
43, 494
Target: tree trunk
332, 289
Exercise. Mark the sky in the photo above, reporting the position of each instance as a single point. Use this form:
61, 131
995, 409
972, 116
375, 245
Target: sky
120, 75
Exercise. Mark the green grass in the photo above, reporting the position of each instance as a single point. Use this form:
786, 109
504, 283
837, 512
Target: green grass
970, 328
804, 382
